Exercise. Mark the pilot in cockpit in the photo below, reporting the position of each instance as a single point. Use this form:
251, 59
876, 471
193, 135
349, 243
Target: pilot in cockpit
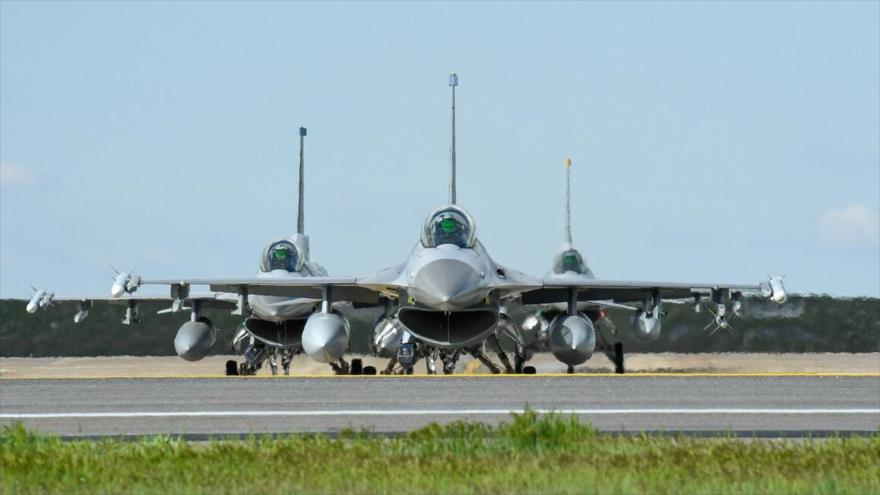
448, 226
281, 256
569, 260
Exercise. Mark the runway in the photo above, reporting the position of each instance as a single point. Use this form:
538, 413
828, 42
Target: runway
222, 406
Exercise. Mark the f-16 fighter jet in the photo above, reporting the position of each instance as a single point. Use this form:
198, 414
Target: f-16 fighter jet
274, 323
572, 333
577, 327
445, 297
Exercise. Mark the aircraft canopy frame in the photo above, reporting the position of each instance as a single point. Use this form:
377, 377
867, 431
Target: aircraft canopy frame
449, 225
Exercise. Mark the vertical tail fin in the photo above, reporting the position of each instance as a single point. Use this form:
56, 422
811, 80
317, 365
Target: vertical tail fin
453, 82
300, 218
568, 200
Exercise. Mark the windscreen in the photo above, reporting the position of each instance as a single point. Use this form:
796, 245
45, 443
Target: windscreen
569, 260
450, 225
281, 255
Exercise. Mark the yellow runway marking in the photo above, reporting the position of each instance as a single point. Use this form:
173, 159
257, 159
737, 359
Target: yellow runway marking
500, 376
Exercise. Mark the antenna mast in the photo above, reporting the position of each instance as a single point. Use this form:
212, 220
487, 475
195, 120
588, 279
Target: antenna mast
300, 219
453, 82
568, 200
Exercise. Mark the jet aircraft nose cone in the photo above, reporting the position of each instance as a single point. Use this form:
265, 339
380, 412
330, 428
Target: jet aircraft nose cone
117, 290
31, 308
447, 284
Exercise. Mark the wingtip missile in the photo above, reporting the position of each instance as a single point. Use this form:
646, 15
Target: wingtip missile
774, 289
41, 299
124, 283
33, 304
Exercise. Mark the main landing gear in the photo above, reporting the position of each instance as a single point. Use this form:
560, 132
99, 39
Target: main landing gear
618, 358
231, 368
340, 367
357, 368
255, 356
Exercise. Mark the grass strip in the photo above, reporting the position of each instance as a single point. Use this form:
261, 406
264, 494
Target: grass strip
529, 454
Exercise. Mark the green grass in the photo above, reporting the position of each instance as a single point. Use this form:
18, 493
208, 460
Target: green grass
530, 454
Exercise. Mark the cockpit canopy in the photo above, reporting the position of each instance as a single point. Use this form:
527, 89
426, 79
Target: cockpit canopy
569, 260
449, 225
281, 255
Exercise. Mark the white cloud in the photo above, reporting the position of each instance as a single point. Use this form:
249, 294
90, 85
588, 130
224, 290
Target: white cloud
851, 226
12, 174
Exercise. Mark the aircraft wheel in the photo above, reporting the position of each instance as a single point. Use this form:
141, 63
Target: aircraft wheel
529, 370
369, 370
408, 370
618, 358
231, 368
357, 367
570, 370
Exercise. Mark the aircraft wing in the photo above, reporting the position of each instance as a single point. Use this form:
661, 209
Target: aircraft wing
511, 283
212, 301
204, 301
349, 289
557, 290
582, 305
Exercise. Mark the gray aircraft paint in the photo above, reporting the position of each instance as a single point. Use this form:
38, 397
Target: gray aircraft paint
450, 296
196, 337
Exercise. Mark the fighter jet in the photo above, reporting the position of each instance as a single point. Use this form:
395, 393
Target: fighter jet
539, 327
571, 333
447, 297
274, 323
444, 298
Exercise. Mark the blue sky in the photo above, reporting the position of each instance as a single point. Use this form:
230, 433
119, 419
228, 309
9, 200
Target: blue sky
711, 141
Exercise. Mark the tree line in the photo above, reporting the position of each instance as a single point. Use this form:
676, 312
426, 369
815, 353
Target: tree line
815, 323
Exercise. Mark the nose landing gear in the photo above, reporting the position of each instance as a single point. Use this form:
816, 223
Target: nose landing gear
449, 361
341, 367
406, 356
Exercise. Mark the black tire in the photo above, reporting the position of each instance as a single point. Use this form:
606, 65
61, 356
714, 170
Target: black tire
369, 370
231, 368
618, 358
529, 370
357, 367
409, 371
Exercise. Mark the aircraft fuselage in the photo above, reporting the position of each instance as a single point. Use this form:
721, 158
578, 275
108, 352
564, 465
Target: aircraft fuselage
448, 301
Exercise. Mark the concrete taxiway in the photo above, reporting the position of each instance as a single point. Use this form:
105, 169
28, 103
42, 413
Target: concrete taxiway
236, 405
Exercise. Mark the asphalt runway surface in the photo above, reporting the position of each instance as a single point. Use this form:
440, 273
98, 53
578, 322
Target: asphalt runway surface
754, 403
